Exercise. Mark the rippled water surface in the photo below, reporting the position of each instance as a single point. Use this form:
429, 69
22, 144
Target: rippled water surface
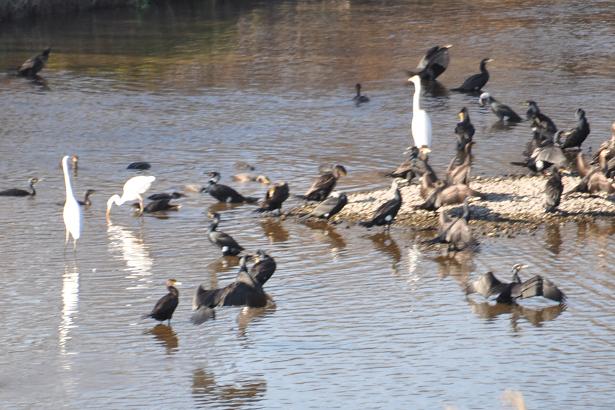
361, 319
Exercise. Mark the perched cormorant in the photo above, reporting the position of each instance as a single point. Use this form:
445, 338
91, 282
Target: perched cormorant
502, 111
421, 123
21, 192
573, 138
464, 129
406, 167
324, 184
594, 180
86, 198
359, 99
140, 165
330, 206
224, 193
455, 231
252, 178
164, 195
166, 305
606, 153
448, 195
553, 190
263, 268
246, 290
460, 174
386, 213
488, 285
542, 126
275, 196
33, 65
476, 82
224, 241
433, 63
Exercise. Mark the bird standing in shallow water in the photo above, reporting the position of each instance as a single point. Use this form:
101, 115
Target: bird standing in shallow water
166, 305
421, 123
359, 99
21, 192
502, 111
476, 82
133, 189
72, 212
224, 193
33, 65
222, 240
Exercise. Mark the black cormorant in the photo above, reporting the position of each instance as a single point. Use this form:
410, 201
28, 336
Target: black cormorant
263, 268
158, 205
140, 165
573, 138
324, 184
21, 192
476, 82
386, 213
433, 63
464, 129
553, 190
502, 111
33, 65
274, 198
542, 126
164, 308
455, 231
359, 99
330, 206
165, 195
86, 198
224, 241
224, 193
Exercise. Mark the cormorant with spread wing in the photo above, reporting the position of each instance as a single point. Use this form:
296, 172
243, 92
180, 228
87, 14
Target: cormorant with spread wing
324, 184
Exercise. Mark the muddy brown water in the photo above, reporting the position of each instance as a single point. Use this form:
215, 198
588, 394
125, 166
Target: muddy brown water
360, 318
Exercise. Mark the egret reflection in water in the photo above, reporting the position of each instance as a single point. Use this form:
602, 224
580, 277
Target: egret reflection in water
208, 393
70, 303
131, 249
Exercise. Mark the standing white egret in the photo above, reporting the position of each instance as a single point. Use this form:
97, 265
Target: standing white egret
133, 189
421, 123
72, 211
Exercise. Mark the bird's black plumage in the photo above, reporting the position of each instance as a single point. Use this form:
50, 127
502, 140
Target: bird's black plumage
359, 98
330, 206
574, 137
274, 198
166, 305
464, 130
476, 82
165, 195
553, 191
159, 205
263, 268
140, 165
224, 193
33, 65
502, 111
386, 213
222, 240
21, 192
324, 184
542, 126
86, 198
433, 64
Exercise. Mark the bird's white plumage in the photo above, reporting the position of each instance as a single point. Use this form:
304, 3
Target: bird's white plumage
72, 211
421, 123
133, 189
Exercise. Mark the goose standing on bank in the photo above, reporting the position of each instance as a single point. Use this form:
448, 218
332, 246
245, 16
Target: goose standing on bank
166, 305
222, 240
421, 123
22, 192
386, 213
476, 82
72, 212
224, 193
433, 64
502, 111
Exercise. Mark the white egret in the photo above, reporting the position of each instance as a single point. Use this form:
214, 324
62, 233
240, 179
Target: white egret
133, 189
421, 123
72, 212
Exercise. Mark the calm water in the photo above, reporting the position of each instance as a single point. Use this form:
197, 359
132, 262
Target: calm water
360, 319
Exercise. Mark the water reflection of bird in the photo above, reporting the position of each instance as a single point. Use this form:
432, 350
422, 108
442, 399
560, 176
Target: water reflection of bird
553, 238
208, 393
536, 317
327, 233
31, 67
476, 82
433, 64
274, 230
133, 189
384, 243
502, 111
72, 212
386, 213
132, 248
166, 336
222, 240
359, 99
224, 193
70, 302
324, 184
166, 305
22, 192
421, 123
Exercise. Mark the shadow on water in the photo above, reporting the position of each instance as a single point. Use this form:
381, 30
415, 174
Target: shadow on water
208, 393
165, 336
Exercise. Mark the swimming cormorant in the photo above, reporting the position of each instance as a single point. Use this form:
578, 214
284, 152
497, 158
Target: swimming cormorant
553, 190
33, 65
164, 195
386, 213
324, 184
224, 241
502, 111
166, 305
573, 138
224, 193
433, 64
421, 123
274, 198
140, 165
359, 99
86, 198
21, 192
476, 82
330, 206
159, 205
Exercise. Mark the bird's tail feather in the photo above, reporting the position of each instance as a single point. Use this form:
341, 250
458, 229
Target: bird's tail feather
367, 224
202, 315
250, 199
518, 163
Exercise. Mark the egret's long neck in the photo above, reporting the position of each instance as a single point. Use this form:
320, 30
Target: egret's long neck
416, 99
67, 184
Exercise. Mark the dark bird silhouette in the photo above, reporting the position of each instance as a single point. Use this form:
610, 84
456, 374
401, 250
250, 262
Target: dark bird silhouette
86, 198
164, 195
21, 192
455, 231
359, 99
263, 268
274, 198
407, 166
159, 205
540, 153
553, 191
476, 82
488, 285
330, 206
386, 213
448, 195
433, 63
33, 65
324, 184
224, 193
464, 130
542, 126
502, 111
224, 241
460, 174
166, 305
140, 166
573, 138
246, 290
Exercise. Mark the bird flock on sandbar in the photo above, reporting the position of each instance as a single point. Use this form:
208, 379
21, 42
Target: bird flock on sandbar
548, 148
